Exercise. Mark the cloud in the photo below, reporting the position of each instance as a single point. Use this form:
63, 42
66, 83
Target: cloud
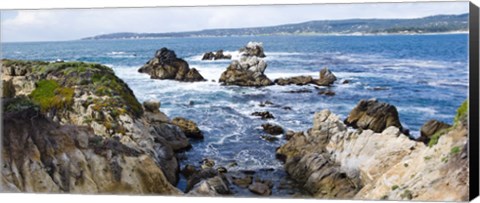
70, 24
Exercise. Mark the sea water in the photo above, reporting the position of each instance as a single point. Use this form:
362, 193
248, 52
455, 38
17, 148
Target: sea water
424, 76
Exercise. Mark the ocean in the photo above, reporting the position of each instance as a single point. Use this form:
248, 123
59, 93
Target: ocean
424, 76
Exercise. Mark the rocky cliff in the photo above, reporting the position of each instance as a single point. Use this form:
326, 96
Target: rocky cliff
76, 127
336, 161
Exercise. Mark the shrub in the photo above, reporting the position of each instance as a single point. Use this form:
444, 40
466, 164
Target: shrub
50, 95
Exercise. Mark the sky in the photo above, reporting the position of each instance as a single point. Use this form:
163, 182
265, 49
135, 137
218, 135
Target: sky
73, 24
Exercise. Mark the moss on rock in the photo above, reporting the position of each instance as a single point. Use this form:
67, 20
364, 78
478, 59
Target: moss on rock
50, 95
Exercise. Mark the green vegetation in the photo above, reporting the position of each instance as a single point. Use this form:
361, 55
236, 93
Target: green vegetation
462, 112
407, 194
50, 95
395, 187
455, 150
427, 158
461, 115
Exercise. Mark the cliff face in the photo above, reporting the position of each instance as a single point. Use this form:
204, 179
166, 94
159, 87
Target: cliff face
76, 127
333, 161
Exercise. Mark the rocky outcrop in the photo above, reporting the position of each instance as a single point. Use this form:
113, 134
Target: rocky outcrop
253, 49
248, 71
263, 115
189, 127
118, 134
218, 55
326, 78
334, 162
166, 65
297, 80
374, 115
272, 129
430, 128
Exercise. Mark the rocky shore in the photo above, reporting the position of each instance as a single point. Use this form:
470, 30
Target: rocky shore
87, 132
376, 160
74, 127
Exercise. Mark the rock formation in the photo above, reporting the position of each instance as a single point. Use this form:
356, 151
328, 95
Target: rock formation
166, 65
88, 133
253, 49
326, 78
430, 128
374, 115
218, 55
249, 70
334, 162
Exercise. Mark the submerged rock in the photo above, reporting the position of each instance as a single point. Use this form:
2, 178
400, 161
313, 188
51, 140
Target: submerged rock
374, 115
243, 182
263, 115
326, 78
326, 92
166, 65
297, 80
189, 127
272, 129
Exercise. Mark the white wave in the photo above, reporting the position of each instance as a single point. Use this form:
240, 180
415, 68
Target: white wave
424, 110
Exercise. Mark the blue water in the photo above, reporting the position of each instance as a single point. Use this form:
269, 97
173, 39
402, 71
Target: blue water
424, 76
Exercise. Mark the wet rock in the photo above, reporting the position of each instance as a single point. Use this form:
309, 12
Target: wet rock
265, 103
272, 129
208, 163
296, 80
232, 164
374, 115
260, 189
345, 81
166, 65
327, 78
378, 88
243, 182
430, 128
188, 170
199, 176
263, 115
189, 127
253, 49
216, 56
299, 91
326, 92
222, 169
172, 134
287, 108
269, 138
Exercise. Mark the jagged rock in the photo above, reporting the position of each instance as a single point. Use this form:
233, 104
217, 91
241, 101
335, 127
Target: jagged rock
374, 115
260, 189
430, 128
269, 138
253, 49
189, 127
166, 65
248, 71
263, 115
266, 103
297, 80
272, 129
216, 56
327, 78
289, 134
208, 163
173, 135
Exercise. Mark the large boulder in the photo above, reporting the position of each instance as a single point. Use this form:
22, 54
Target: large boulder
327, 78
216, 56
249, 71
166, 65
253, 49
430, 128
374, 115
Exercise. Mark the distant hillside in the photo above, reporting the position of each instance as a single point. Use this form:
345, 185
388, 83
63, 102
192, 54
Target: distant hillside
431, 24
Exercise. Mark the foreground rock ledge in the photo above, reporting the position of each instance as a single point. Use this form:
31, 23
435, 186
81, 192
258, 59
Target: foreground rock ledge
333, 162
166, 65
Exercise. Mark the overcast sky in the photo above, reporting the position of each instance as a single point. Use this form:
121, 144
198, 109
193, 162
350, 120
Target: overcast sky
57, 25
